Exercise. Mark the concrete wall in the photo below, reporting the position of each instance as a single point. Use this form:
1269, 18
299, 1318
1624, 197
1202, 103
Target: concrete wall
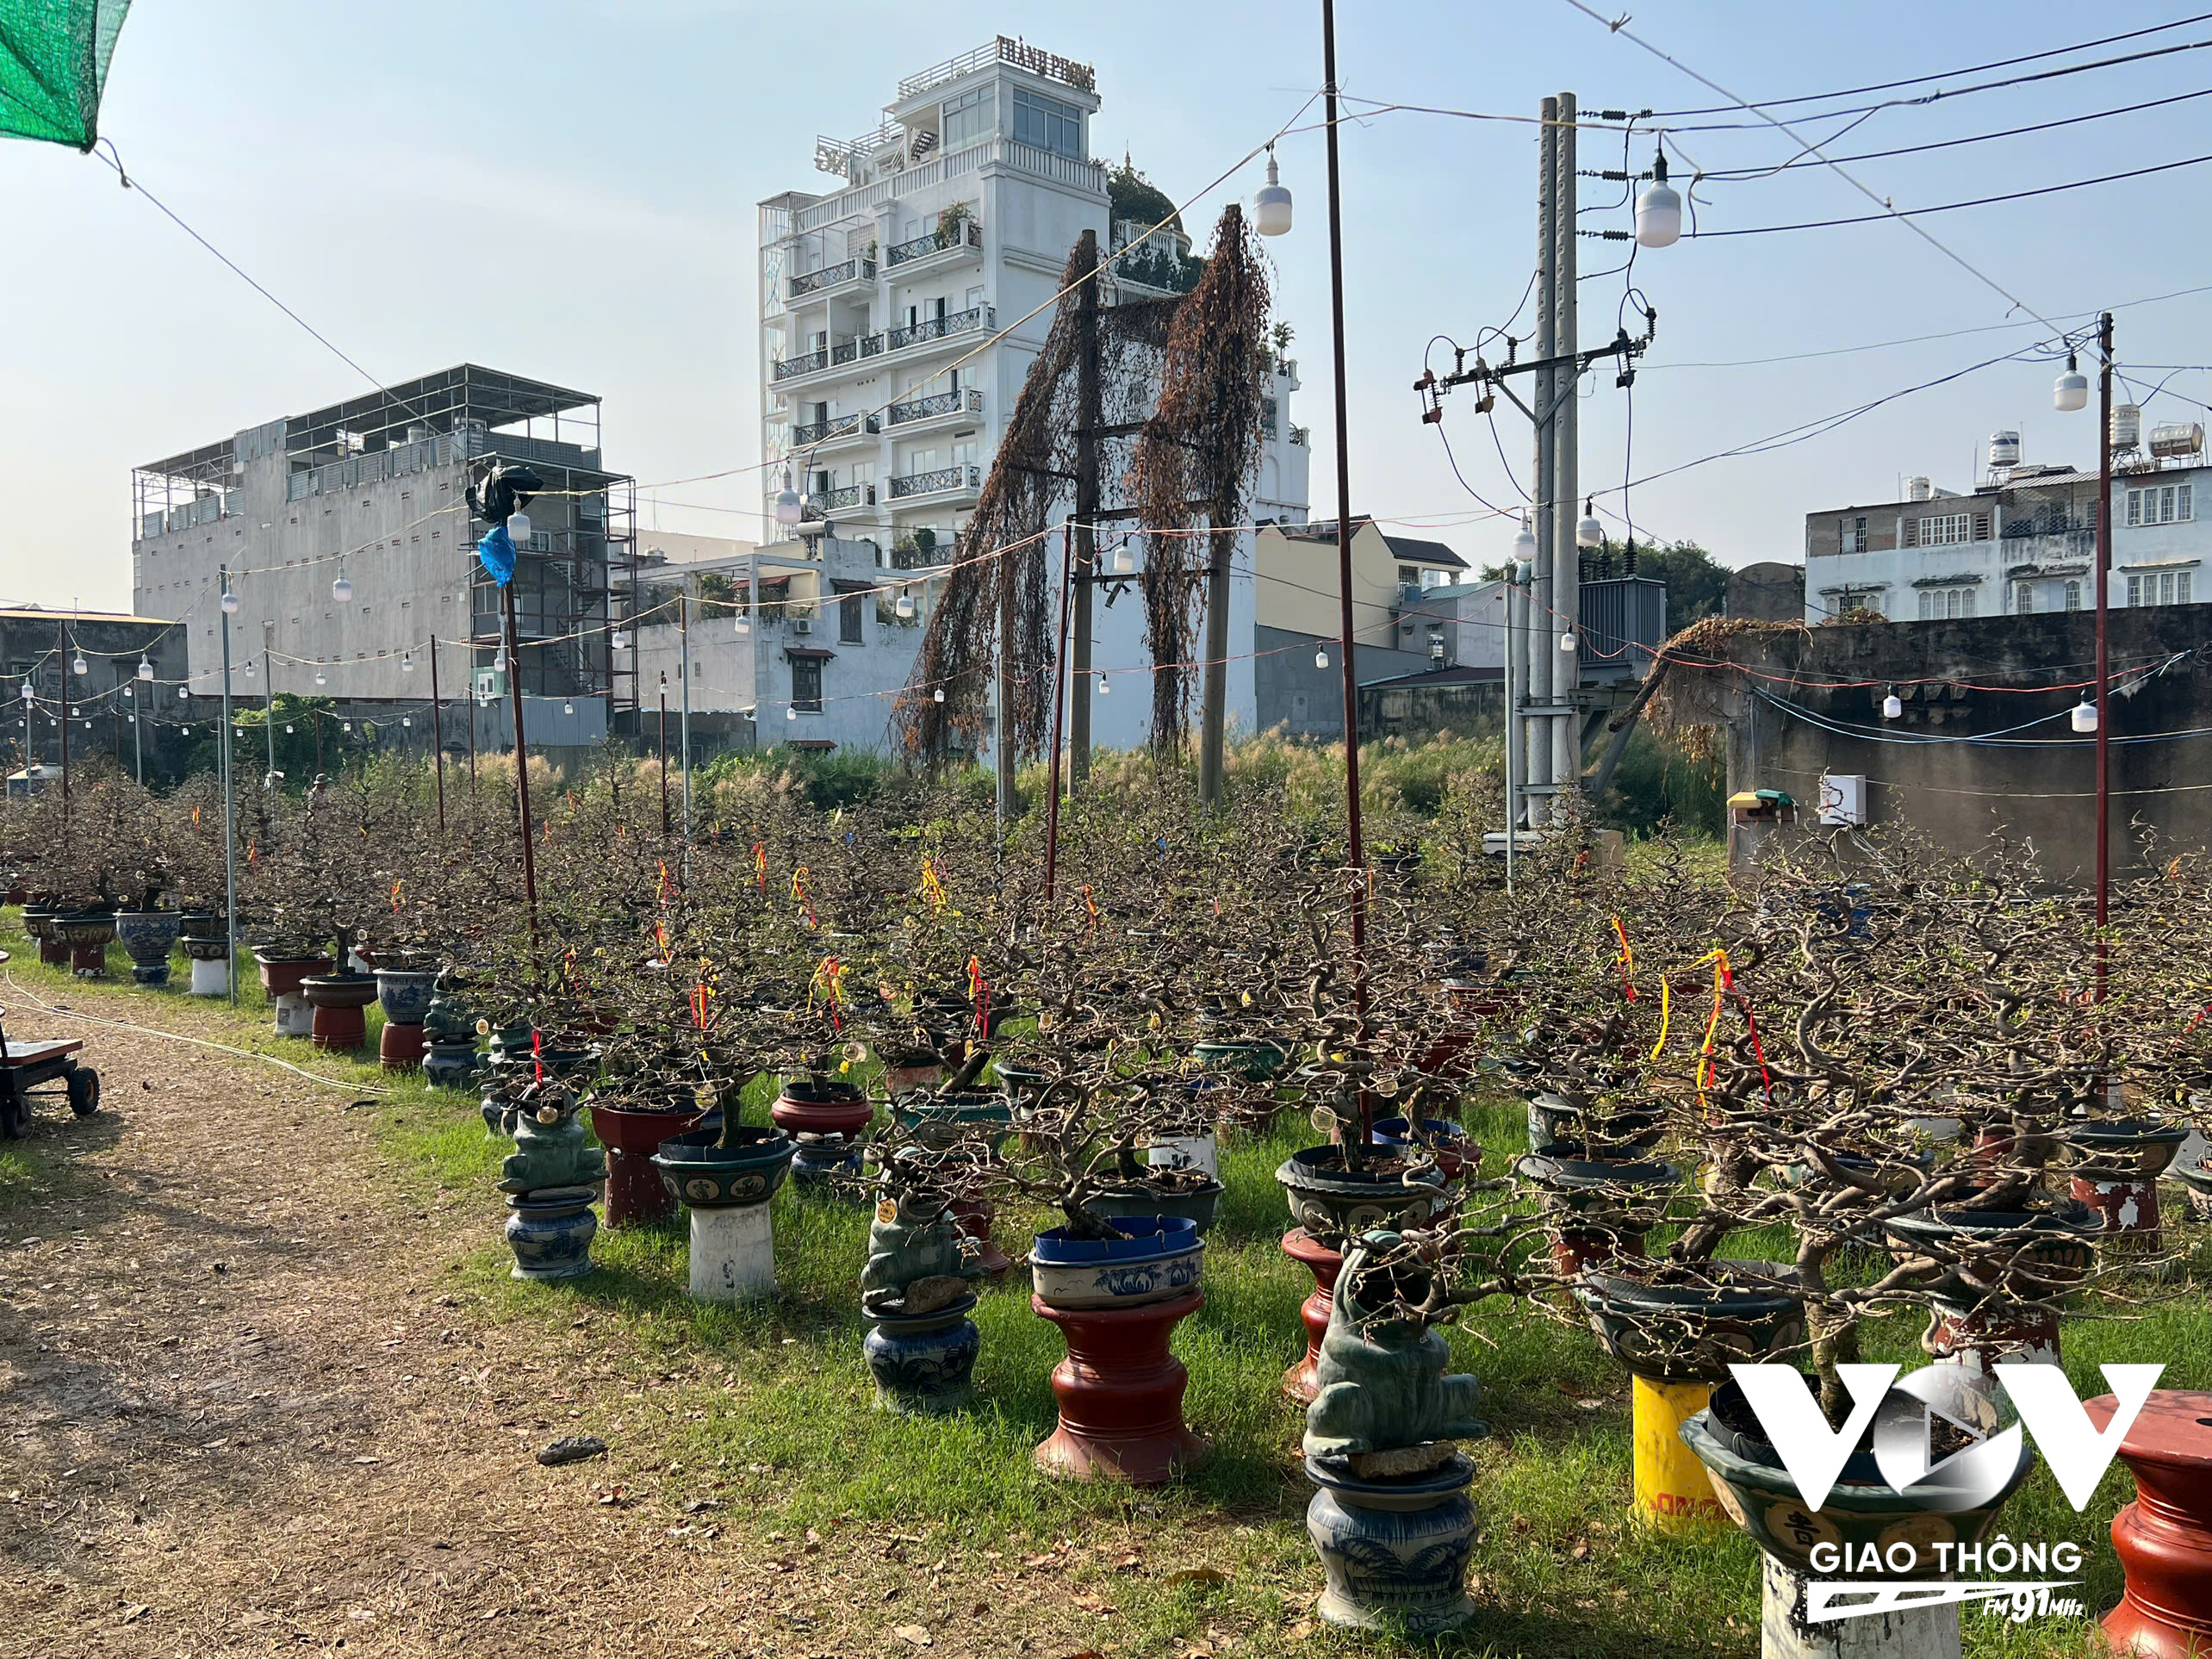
2037, 785
1305, 700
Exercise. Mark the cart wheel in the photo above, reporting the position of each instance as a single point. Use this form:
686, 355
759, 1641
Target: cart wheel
84, 1092
12, 1117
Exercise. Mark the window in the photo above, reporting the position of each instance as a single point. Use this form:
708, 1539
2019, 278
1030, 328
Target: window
2073, 596
1927, 605
1853, 537
1945, 530
2161, 504
806, 684
848, 619
2166, 587
1047, 123
967, 118
2135, 591
2024, 599
2181, 586
1968, 604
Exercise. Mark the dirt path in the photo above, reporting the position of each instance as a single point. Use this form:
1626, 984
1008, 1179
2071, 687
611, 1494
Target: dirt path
239, 1415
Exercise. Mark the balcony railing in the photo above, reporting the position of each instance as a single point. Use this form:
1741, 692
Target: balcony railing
939, 328
1301, 435
967, 400
854, 269
852, 495
930, 483
824, 432
969, 234
917, 558
806, 363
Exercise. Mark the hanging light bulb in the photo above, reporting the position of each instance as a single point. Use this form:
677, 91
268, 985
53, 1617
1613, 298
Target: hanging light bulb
499, 661
1893, 707
346, 726
80, 666
1658, 209
1321, 657
1270, 206
135, 719
2084, 716
567, 708
1104, 689
742, 626
518, 528
230, 603
249, 669
322, 679
1124, 559
1525, 544
905, 605
1566, 641
126, 691
145, 669
938, 695
406, 661
407, 719
790, 711
342, 590
288, 726
788, 511
2070, 391
621, 640
27, 692
1590, 532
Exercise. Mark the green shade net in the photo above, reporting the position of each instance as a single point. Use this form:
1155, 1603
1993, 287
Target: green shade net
54, 66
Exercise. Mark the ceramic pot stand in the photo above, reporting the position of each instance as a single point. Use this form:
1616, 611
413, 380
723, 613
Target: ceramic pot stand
1121, 1394
1325, 1262
2164, 1538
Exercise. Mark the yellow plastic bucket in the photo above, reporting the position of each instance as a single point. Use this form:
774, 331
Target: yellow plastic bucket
1672, 1491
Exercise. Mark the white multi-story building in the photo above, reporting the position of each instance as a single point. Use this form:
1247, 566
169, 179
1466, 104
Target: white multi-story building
896, 333
2024, 540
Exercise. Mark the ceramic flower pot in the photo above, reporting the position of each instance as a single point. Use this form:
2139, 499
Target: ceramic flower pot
825, 1121
2164, 1538
1196, 1204
636, 1193
87, 934
1395, 1551
1453, 1148
147, 937
2197, 1179
280, 975
405, 994
1695, 1330
1332, 1202
1325, 1262
337, 1000
727, 1189
1597, 1212
1257, 1060
944, 1121
2121, 1160
922, 1363
1150, 1258
39, 922
1588, 1129
550, 1232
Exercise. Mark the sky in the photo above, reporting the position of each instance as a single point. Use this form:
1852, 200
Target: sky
566, 190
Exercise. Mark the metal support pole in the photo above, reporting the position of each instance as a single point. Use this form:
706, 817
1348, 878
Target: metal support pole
1089, 416
664, 753
61, 633
521, 764
1003, 756
1213, 717
1062, 673
1543, 399
2103, 661
683, 635
437, 737
138, 737
1355, 851
230, 795
1512, 597
268, 709
1566, 729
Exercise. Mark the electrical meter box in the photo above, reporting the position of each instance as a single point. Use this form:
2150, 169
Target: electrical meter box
1842, 798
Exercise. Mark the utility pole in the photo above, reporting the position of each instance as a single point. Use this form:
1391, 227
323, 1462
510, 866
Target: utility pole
1537, 683
2103, 662
61, 634
1512, 599
1565, 553
1060, 705
664, 753
1214, 690
230, 794
683, 636
268, 708
1089, 415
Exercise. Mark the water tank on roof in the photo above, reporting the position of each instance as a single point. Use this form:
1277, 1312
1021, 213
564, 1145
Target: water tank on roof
1919, 489
2004, 451
2127, 426
2174, 438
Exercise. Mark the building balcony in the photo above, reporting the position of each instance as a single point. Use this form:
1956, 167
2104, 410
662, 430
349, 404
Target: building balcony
822, 434
943, 480
1301, 436
830, 279
913, 557
931, 331
963, 404
956, 246
822, 505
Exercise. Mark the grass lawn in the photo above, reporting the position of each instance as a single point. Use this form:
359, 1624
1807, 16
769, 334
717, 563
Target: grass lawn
779, 1428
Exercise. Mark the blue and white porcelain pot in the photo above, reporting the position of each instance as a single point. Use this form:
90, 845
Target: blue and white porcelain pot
147, 937
922, 1363
550, 1231
1396, 1551
707, 1176
405, 994
1150, 1258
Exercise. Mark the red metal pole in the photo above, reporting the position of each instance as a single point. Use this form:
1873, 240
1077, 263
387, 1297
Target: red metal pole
664, 756
1060, 672
521, 762
1355, 852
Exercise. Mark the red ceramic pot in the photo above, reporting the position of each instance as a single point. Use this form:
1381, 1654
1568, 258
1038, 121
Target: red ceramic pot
282, 979
1309, 1253
1121, 1394
337, 1000
2164, 1538
897, 1079
974, 1216
1574, 1249
837, 1108
2127, 1206
2004, 1334
634, 1192
401, 1047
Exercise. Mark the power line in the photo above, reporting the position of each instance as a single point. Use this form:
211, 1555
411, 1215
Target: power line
1799, 162
1973, 69
1908, 214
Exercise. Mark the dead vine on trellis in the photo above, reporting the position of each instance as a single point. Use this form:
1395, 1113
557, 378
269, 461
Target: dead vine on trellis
1198, 451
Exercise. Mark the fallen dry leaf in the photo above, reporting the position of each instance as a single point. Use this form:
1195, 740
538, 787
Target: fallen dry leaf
914, 1633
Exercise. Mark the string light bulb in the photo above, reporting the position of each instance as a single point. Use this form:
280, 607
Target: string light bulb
1893, 707
406, 661
567, 708
518, 527
499, 661
938, 695
1124, 559
2084, 718
145, 669
2070, 391
620, 641
742, 626
250, 670
788, 511
790, 711
1321, 657
1566, 641
1104, 687
1658, 209
1525, 544
80, 666
322, 679
407, 719
905, 605
342, 590
1271, 205
230, 603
